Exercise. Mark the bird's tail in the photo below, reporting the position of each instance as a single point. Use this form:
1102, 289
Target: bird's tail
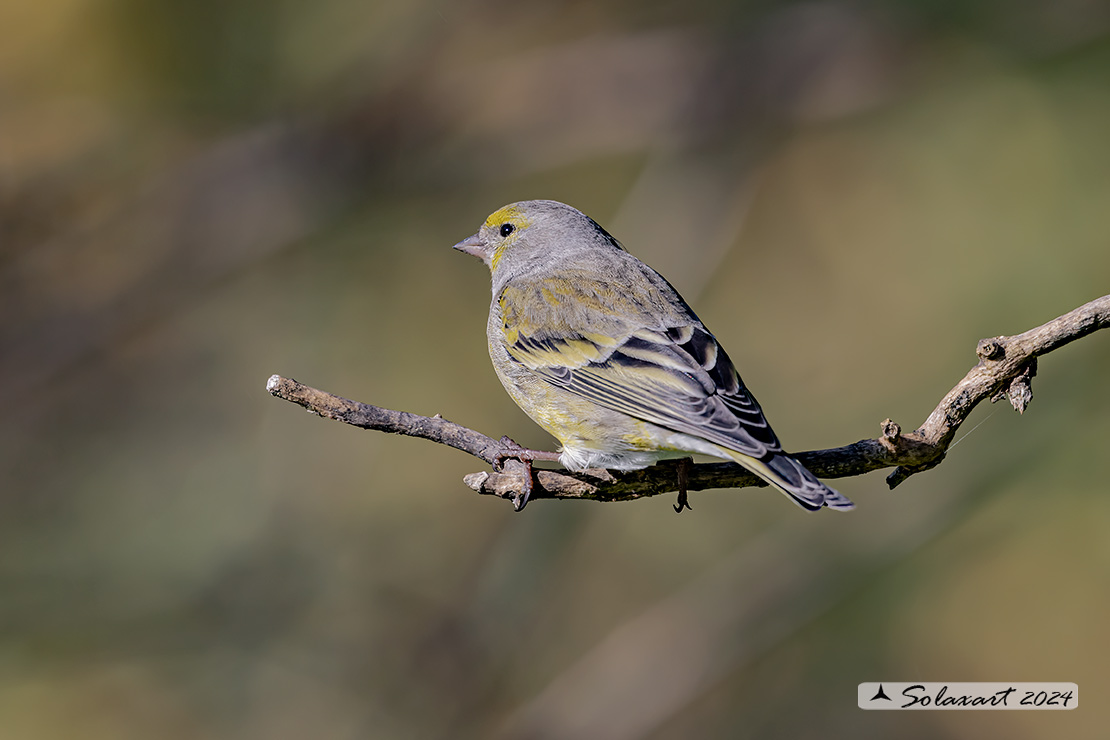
791, 477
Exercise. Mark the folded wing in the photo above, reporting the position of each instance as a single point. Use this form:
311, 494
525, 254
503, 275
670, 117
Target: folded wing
674, 373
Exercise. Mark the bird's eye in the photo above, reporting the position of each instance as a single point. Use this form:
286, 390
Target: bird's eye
506, 229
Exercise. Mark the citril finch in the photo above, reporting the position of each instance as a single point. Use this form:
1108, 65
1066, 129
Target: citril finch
603, 353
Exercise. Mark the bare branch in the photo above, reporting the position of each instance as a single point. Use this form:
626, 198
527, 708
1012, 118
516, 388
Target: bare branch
1005, 370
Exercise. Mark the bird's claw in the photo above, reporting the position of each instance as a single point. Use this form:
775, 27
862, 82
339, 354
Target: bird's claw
683, 479
521, 499
511, 450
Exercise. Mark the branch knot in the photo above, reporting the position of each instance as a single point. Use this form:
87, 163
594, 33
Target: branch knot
990, 349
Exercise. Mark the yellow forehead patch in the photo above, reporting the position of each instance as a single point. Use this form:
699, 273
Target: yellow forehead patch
508, 214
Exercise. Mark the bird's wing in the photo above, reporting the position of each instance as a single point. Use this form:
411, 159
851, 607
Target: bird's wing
643, 353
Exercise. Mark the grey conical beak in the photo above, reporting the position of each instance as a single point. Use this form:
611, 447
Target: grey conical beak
475, 247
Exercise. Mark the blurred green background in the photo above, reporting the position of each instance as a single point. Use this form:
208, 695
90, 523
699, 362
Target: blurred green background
196, 195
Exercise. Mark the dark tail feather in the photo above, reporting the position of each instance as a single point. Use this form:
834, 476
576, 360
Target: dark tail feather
792, 478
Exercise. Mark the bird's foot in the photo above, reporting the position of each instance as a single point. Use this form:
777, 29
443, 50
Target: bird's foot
684, 466
510, 450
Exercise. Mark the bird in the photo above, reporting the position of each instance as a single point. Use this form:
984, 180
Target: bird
605, 355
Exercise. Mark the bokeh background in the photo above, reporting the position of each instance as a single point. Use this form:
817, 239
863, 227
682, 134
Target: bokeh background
195, 195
